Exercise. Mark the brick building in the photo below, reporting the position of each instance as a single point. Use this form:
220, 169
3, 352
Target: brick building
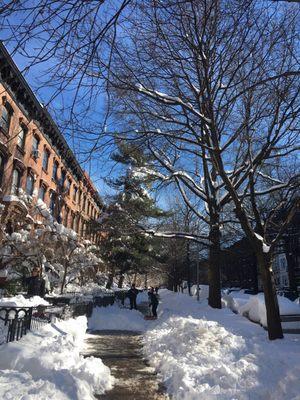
35, 157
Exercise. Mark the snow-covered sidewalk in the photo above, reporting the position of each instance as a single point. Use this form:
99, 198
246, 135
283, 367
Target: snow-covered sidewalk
47, 365
202, 353
215, 354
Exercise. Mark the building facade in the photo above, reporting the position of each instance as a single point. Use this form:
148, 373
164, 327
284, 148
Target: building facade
36, 159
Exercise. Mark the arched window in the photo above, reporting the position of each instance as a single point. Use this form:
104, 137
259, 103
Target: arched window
5, 118
68, 187
22, 136
2, 164
16, 182
46, 156
54, 171
29, 184
42, 192
52, 203
35, 147
74, 193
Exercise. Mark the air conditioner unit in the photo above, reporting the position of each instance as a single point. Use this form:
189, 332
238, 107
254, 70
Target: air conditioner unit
35, 153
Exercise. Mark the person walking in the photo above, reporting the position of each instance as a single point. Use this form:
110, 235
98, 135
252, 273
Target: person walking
153, 302
35, 283
132, 294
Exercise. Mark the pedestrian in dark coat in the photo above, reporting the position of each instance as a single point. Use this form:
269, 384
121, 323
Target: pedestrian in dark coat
132, 294
153, 301
35, 283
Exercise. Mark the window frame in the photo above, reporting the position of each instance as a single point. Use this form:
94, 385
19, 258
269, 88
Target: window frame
30, 175
46, 151
23, 129
44, 187
6, 106
16, 188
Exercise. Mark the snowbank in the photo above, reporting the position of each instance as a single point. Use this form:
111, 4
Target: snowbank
47, 364
235, 300
116, 318
21, 301
203, 291
202, 353
255, 308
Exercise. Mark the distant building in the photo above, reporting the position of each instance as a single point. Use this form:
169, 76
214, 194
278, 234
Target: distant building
239, 266
35, 157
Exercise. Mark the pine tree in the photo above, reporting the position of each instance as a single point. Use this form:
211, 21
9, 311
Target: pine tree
125, 246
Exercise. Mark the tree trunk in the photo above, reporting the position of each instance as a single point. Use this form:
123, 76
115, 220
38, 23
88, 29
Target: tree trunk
214, 276
264, 262
188, 264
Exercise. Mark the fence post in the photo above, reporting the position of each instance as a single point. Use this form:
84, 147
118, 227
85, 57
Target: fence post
29, 319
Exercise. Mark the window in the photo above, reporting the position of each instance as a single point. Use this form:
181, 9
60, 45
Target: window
62, 178
2, 163
79, 197
16, 181
68, 186
74, 223
5, 117
54, 171
46, 156
29, 184
42, 192
88, 208
84, 203
22, 136
75, 193
52, 203
35, 147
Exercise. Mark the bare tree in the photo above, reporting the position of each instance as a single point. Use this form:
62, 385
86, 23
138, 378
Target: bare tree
219, 81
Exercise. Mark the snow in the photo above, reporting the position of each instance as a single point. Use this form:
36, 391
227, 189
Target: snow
116, 318
48, 365
202, 353
256, 310
21, 301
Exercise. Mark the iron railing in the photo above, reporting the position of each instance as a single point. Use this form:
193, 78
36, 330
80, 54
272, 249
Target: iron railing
15, 322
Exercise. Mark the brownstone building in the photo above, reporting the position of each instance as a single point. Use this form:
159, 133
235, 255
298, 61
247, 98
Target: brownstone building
35, 157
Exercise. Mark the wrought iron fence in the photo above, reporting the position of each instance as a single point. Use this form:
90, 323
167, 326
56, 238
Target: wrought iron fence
15, 322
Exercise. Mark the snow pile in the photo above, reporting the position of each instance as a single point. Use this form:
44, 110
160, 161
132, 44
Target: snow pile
48, 364
255, 308
235, 300
203, 291
116, 318
21, 301
202, 353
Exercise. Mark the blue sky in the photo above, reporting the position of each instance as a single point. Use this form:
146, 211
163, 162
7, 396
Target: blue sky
98, 167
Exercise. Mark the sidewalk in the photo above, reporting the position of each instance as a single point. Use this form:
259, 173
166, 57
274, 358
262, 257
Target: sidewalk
121, 351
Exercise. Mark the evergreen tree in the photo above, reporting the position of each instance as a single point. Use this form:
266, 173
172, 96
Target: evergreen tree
125, 247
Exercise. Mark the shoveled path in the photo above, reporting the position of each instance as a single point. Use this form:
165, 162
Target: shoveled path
121, 351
